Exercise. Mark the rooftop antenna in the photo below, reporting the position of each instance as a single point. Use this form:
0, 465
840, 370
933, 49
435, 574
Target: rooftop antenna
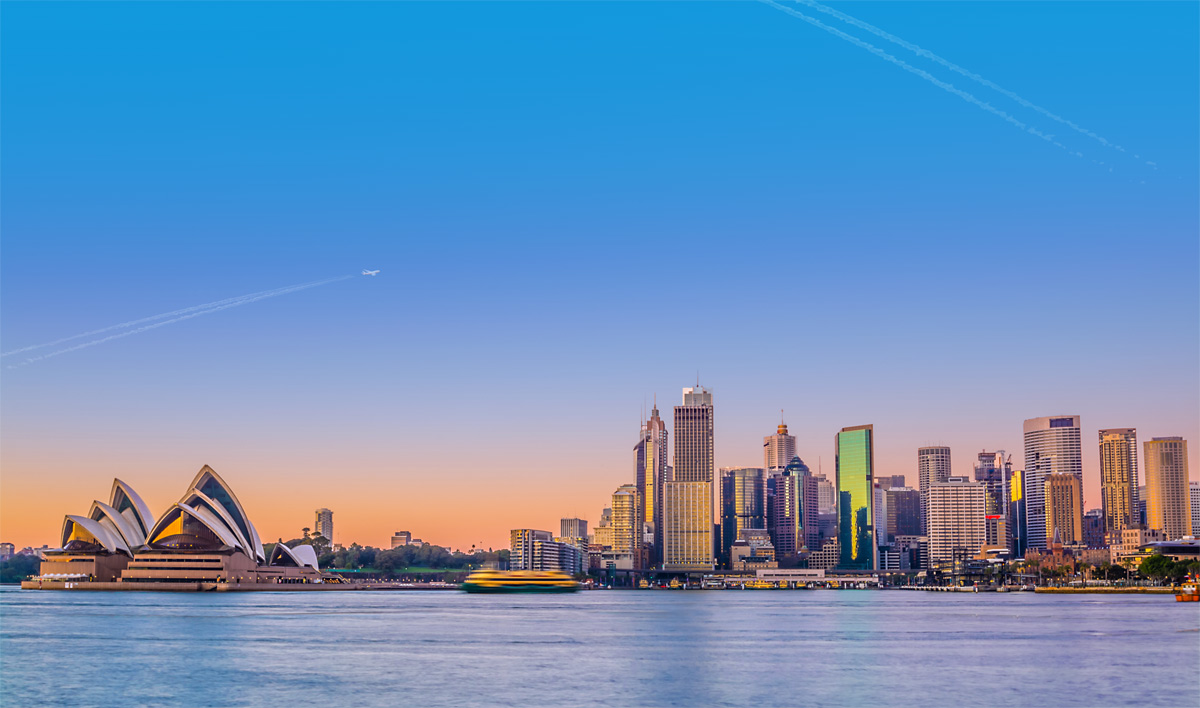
781, 416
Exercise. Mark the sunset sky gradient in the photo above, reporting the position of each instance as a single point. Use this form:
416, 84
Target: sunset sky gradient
575, 206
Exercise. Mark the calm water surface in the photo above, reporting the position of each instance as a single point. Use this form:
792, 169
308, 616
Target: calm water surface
618, 648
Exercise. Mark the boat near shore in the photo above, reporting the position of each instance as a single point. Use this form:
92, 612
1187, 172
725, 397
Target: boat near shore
514, 581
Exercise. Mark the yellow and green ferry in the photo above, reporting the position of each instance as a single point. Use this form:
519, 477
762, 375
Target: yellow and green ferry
500, 581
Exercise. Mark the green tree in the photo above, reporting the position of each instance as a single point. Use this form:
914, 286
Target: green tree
19, 568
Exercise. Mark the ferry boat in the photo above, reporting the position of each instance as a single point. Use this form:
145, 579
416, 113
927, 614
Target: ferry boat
1189, 592
500, 581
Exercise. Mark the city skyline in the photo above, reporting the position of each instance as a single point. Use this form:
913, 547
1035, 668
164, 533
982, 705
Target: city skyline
564, 230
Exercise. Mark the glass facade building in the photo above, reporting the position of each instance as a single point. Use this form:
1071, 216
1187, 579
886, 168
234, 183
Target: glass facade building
742, 496
855, 463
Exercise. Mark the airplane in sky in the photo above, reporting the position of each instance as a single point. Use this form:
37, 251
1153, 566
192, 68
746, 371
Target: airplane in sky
370, 272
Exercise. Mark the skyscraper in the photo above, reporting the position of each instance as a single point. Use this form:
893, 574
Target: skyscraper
1167, 496
956, 520
933, 465
1194, 496
793, 509
627, 521
688, 503
324, 525
650, 461
993, 470
855, 465
778, 449
1053, 445
1017, 523
1119, 479
1064, 508
742, 495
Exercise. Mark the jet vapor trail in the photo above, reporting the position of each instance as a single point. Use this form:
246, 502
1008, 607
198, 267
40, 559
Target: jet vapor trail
133, 323
954, 67
950, 88
190, 313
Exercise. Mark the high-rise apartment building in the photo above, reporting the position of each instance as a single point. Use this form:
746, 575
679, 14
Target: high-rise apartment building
603, 533
1167, 496
1194, 497
933, 466
531, 549
650, 474
778, 449
627, 521
324, 525
743, 491
1053, 445
685, 529
573, 528
1119, 479
855, 464
1064, 508
956, 520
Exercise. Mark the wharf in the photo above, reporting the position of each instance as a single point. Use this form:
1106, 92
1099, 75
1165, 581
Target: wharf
1107, 591
223, 587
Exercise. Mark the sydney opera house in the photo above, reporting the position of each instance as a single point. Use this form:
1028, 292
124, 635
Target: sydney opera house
204, 541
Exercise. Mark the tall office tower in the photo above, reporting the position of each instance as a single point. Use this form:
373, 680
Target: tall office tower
903, 512
1017, 523
1119, 479
778, 449
826, 496
855, 464
1167, 497
687, 521
933, 465
794, 510
993, 470
688, 503
956, 520
627, 521
324, 525
650, 466
1053, 445
1064, 508
742, 496
1194, 496
573, 528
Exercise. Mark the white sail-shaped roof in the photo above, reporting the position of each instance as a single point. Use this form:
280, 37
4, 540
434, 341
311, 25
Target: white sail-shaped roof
281, 554
110, 541
210, 484
205, 517
306, 555
126, 528
198, 500
129, 504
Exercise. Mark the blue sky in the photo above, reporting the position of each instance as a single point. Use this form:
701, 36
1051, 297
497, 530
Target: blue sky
576, 206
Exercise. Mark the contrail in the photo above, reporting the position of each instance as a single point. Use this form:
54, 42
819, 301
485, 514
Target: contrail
190, 313
956, 68
134, 323
923, 74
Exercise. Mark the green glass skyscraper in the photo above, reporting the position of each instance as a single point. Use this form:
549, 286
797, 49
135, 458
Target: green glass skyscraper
856, 494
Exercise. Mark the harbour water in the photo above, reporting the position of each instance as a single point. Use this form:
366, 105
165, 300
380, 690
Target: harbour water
608, 648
